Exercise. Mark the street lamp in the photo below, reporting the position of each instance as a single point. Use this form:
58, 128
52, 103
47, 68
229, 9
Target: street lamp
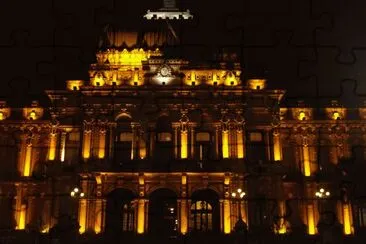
76, 193
240, 225
322, 193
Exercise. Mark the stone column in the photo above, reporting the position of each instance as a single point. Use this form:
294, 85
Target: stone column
25, 154
217, 152
100, 205
221, 202
240, 143
63, 146
111, 142
192, 142
175, 127
102, 143
311, 210
141, 216
52, 146
184, 206
152, 142
267, 145
306, 157
133, 143
225, 143
184, 144
142, 145
277, 147
83, 207
87, 136
141, 207
20, 208
28, 160
227, 217
347, 218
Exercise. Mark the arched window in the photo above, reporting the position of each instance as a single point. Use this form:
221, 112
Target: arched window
127, 213
201, 216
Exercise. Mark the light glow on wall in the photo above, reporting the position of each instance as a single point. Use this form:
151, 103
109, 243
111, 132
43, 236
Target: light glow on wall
277, 150
305, 150
82, 215
184, 179
227, 219
282, 223
347, 219
225, 144
63, 147
311, 220
101, 151
28, 160
257, 84
86, 144
183, 217
184, 144
74, 85
140, 216
240, 144
52, 149
336, 116
98, 216
302, 115
22, 217
142, 152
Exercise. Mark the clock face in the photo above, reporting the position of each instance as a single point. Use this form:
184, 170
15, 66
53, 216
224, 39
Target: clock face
164, 71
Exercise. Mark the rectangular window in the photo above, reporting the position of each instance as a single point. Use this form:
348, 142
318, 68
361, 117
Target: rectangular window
255, 137
164, 137
125, 136
203, 136
74, 136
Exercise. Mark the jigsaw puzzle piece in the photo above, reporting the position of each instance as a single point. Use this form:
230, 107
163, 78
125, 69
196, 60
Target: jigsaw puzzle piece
329, 83
296, 17
347, 30
34, 17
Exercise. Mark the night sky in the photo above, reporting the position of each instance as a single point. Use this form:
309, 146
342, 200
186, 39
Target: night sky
313, 49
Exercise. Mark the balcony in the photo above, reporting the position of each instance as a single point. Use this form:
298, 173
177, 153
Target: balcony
175, 165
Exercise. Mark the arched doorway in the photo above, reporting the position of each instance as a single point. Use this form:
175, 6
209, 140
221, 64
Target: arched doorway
120, 211
204, 211
163, 219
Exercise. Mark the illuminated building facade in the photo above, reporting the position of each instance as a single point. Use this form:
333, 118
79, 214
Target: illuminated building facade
158, 145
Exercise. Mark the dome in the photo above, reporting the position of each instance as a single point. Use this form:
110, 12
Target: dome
153, 35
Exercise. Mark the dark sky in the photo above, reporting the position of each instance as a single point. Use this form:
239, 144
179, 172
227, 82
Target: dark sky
313, 49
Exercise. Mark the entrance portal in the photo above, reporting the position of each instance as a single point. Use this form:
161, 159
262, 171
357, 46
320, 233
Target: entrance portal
163, 218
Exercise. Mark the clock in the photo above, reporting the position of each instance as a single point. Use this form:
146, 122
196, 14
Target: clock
164, 71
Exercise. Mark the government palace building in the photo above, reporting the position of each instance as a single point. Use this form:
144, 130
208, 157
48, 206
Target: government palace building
154, 144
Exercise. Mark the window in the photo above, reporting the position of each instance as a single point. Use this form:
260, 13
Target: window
203, 136
164, 137
201, 216
74, 136
125, 136
127, 217
362, 217
255, 136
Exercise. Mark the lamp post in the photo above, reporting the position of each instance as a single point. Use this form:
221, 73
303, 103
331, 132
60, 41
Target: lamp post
238, 195
321, 194
323, 224
76, 193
